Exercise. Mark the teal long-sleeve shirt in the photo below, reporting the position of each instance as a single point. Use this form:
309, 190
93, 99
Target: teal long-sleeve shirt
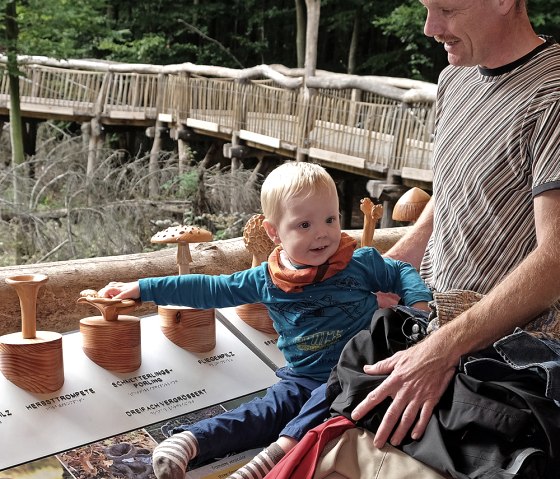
313, 325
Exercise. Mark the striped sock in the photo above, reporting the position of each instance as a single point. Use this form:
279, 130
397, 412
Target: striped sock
261, 464
171, 457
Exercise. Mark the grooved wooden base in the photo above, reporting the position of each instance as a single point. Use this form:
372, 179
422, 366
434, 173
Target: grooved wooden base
113, 345
35, 365
256, 316
189, 328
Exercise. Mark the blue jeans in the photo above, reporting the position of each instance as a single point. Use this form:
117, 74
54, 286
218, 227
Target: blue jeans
291, 407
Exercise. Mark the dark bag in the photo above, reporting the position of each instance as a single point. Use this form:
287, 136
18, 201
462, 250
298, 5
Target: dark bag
499, 425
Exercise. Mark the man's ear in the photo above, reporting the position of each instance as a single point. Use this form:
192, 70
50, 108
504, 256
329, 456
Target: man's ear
271, 231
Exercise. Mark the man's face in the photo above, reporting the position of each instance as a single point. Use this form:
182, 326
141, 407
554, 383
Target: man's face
470, 30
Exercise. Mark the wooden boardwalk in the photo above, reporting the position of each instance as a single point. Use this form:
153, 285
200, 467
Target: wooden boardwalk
372, 126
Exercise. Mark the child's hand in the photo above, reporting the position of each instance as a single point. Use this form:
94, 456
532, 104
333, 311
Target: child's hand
120, 290
386, 300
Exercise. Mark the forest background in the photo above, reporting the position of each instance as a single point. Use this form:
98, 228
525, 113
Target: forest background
115, 215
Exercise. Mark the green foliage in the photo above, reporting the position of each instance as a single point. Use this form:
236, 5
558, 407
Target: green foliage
406, 23
242, 33
183, 186
61, 28
120, 46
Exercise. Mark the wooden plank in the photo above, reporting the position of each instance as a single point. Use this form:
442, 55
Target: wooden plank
165, 118
258, 138
417, 174
203, 125
48, 109
127, 115
337, 157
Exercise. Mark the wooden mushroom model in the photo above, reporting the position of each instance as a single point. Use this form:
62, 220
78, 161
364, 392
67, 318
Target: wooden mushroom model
31, 359
410, 205
372, 214
260, 246
182, 236
189, 328
111, 340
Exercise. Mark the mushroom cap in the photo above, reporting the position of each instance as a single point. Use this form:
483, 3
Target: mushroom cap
409, 206
182, 234
255, 237
91, 293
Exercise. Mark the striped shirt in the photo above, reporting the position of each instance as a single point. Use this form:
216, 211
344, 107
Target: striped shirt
497, 146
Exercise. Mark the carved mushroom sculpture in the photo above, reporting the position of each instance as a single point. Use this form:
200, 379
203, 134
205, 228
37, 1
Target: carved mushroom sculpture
260, 246
101, 334
256, 240
183, 236
190, 328
410, 205
372, 214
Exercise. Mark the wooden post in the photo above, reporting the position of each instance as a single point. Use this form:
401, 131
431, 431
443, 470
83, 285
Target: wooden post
153, 165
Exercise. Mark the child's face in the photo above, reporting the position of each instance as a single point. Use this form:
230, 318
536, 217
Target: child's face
309, 229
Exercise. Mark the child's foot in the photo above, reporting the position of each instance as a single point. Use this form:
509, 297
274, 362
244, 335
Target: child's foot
171, 457
261, 464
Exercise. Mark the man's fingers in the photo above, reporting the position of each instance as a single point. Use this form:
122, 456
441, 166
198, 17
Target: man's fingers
373, 398
385, 366
423, 420
390, 419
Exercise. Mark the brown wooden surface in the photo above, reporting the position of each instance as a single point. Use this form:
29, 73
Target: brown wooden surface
35, 365
113, 345
256, 316
189, 328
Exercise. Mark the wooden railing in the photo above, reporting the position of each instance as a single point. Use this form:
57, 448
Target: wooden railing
373, 125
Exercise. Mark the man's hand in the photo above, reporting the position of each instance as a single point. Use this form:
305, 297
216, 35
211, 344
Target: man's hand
417, 379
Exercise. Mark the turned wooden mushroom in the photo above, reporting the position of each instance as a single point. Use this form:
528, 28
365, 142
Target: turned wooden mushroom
410, 205
32, 359
111, 340
372, 214
189, 328
260, 246
183, 236
256, 240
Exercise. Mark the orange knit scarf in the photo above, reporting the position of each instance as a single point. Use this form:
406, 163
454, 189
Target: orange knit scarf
290, 281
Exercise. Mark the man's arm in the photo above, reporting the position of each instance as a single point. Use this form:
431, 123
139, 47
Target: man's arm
411, 246
418, 376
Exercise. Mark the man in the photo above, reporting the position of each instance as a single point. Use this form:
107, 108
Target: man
493, 225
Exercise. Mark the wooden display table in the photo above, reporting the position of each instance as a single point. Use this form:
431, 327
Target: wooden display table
95, 404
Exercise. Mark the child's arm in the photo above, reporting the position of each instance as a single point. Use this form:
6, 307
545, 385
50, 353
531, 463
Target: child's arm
120, 290
423, 305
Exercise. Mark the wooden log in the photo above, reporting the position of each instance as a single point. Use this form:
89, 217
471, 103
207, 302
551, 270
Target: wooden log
57, 307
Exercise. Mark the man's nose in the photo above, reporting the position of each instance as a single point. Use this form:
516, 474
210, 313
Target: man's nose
432, 25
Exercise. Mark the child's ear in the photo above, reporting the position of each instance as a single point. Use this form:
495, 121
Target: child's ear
271, 231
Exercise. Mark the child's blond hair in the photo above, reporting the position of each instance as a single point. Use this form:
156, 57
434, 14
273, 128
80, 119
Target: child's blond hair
293, 179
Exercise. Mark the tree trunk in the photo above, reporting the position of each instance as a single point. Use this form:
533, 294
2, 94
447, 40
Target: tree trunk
16, 125
312, 36
154, 161
352, 51
300, 33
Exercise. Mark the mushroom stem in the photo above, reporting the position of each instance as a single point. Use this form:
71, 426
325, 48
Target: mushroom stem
372, 213
183, 257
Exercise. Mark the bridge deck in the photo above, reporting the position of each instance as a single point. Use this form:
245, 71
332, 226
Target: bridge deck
373, 137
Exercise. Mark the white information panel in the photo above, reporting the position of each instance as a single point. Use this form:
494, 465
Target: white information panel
263, 344
95, 403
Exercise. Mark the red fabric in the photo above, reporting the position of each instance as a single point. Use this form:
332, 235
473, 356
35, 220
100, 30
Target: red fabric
299, 463
289, 280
